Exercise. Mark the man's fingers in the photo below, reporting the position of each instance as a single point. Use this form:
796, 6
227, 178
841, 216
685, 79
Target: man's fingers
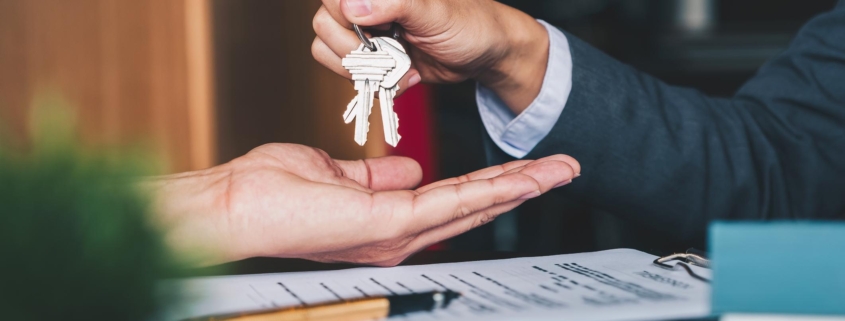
410, 79
549, 174
337, 37
333, 8
485, 173
494, 171
410, 14
384, 173
367, 13
335, 40
462, 225
447, 203
326, 57
576, 166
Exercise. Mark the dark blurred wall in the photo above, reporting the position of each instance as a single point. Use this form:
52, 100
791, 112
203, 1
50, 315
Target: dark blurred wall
270, 89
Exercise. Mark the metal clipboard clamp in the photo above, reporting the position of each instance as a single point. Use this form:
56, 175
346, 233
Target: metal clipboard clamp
692, 256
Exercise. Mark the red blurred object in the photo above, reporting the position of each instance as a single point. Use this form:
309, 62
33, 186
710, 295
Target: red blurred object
416, 126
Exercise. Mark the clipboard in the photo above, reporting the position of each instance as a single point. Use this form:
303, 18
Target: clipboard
619, 284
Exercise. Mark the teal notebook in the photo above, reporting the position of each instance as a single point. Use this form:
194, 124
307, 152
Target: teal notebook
778, 267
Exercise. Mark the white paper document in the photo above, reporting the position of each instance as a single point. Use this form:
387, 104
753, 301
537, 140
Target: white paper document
617, 284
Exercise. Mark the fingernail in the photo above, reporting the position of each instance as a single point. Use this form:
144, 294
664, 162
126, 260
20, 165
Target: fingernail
564, 183
577, 175
530, 195
415, 79
360, 8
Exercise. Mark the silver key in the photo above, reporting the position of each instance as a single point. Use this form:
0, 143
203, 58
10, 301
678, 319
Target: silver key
389, 119
389, 87
403, 62
368, 69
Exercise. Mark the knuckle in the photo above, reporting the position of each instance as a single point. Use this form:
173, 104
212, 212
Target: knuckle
463, 208
564, 169
315, 48
320, 20
472, 225
362, 173
463, 211
484, 219
571, 160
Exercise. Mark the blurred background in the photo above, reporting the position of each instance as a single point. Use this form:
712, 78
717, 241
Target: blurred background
205, 81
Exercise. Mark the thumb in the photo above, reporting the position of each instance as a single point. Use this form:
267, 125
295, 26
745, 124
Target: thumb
376, 12
384, 173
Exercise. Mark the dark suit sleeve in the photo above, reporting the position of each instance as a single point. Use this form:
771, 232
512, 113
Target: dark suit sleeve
675, 158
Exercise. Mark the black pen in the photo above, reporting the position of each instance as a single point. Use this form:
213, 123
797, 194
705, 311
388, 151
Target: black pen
369, 308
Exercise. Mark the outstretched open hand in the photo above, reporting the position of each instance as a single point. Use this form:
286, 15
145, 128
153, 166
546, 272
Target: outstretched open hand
286, 200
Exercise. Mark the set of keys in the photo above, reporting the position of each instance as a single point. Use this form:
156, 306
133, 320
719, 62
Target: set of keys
377, 65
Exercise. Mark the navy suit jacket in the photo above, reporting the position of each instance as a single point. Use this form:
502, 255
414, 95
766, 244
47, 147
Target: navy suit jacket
676, 159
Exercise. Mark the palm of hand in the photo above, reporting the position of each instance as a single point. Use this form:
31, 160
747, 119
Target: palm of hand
295, 201
300, 201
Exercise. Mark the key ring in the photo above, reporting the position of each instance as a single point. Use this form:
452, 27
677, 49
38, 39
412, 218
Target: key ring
367, 43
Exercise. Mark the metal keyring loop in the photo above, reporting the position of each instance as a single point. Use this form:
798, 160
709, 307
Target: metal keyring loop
363, 38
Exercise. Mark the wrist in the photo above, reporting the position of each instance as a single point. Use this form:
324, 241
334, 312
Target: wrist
190, 209
517, 76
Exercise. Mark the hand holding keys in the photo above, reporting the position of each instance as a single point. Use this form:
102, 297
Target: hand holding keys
451, 41
377, 64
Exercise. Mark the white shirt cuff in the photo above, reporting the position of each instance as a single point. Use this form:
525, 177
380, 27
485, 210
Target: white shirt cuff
519, 134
